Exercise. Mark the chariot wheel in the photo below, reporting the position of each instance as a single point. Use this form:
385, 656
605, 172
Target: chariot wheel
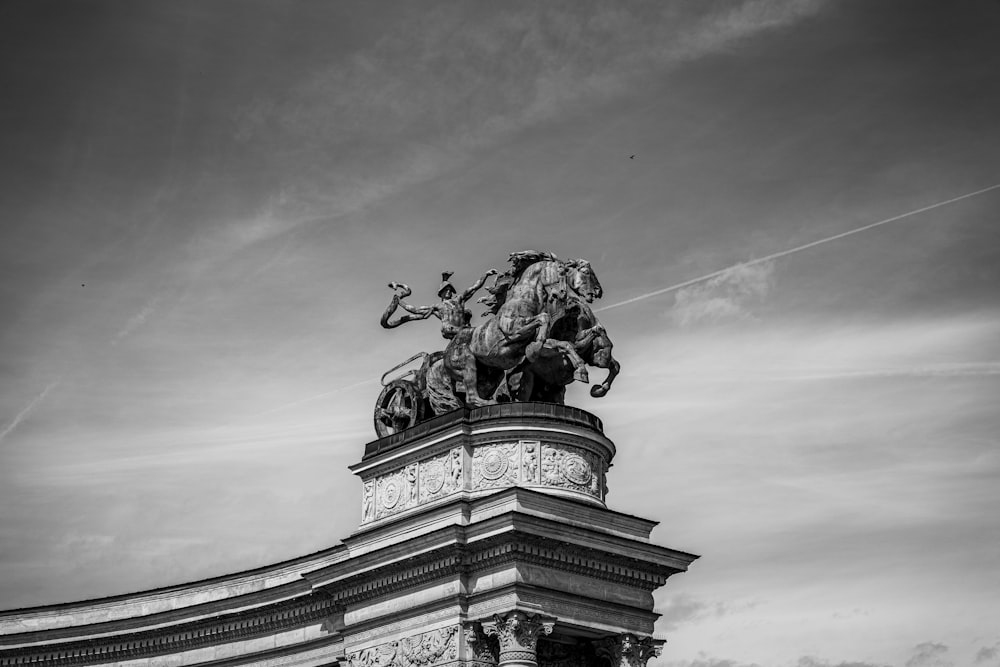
397, 407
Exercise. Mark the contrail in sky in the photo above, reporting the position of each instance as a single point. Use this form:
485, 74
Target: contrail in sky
23, 414
707, 276
761, 260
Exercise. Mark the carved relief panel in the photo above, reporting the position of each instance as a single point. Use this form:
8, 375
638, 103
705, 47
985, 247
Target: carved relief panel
414, 484
572, 468
423, 650
396, 491
496, 466
440, 475
531, 451
492, 465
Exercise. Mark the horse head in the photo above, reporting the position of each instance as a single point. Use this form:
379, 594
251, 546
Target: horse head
583, 280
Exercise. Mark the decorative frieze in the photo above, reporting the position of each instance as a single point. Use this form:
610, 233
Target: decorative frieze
423, 650
627, 650
518, 633
572, 468
395, 492
440, 475
496, 466
530, 451
413, 484
536, 464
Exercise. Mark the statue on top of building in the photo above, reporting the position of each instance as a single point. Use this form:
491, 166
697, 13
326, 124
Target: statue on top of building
539, 336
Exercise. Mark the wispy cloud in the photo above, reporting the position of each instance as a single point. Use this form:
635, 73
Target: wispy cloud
929, 654
708, 661
416, 104
24, 413
136, 321
727, 297
686, 608
811, 661
987, 653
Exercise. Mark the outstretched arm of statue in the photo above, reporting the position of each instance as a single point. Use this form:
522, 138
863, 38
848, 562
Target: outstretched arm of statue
467, 294
422, 312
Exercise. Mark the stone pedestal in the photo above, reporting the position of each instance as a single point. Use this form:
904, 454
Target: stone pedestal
485, 539
554, 449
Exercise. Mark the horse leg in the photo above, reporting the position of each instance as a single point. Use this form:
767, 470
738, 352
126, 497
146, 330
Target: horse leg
579, 365
603, 359
542, 322
470, 377
586, 337
525, 385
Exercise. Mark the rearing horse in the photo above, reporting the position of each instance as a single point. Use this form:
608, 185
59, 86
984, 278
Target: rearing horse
519, 332
580, 326
591, 339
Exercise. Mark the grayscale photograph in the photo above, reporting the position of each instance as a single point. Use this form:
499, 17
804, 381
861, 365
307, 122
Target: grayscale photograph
457, 333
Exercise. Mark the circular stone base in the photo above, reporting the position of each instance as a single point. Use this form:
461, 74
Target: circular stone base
541, 446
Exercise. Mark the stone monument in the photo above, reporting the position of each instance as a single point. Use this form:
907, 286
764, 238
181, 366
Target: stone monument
484, 539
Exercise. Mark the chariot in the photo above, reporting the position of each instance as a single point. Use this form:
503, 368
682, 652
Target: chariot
539, 336
403, 401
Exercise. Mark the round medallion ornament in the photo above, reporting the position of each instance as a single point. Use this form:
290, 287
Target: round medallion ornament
494, 464
391, 491
433, 477
576, 469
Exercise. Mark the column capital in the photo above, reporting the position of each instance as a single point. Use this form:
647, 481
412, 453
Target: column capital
518, 633
483, 648
627, 650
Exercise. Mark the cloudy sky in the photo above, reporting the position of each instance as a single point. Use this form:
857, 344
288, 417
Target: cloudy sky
202, 204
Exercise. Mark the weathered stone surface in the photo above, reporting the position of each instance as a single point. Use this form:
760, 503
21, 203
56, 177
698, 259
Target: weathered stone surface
500, 525
433, 647
517, 633
421, 471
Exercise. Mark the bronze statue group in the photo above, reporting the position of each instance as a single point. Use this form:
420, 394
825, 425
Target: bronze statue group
538, 336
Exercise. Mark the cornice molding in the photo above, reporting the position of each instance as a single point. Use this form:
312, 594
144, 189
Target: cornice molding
238, 626
523, 547
510, 547
397, 576
168, 599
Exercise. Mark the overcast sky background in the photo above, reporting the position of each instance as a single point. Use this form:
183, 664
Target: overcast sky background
202, 203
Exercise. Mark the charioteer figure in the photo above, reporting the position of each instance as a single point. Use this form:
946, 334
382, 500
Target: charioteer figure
450, 310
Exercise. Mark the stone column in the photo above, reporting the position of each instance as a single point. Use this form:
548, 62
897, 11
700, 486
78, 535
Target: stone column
481, 651
628, 650
518, 634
